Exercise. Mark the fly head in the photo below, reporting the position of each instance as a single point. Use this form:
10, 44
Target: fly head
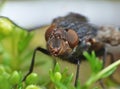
60, 41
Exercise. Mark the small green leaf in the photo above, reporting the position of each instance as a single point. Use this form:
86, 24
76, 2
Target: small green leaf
57, 76
2, 69
4, 84
14, 78
6, 58
33, 87
32, 79
1, 49
89, 58
60, 85
23, 43
51, 75
57, 68
78, 85
68, 79
95, 63
6, 26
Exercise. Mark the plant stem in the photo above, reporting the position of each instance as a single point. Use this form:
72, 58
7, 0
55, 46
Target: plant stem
96, 77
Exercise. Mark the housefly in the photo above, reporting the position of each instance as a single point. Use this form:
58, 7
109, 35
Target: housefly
69, 36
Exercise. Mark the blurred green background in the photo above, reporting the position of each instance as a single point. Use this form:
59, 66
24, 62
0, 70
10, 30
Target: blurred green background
17, 46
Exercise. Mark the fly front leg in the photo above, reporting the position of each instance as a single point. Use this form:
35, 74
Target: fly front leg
104, 56
77, 73
33, 60
104, 51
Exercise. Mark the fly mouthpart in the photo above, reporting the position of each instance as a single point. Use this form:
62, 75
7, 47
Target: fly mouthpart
55, 51
88, 43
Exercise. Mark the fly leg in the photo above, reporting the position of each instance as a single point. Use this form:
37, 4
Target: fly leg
112, 61
77, 73
104, 52
104, 56
33, 60
104, 61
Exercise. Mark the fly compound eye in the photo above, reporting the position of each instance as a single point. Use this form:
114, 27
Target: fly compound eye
73, 39
50, 31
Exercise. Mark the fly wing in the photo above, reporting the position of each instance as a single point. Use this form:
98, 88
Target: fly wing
110, 35
79, 23
76, 22
70, 18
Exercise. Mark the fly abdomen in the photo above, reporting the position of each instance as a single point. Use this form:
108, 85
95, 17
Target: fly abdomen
110, 35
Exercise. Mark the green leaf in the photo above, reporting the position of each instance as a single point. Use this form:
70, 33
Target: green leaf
4, 84
33, 87
6, 26
68, 79
51, 75
6, 58
95, 63
23, 43
14, 78
60, 85
57, 68
2, 69
79, 85
90, 59
32, 79
57, 76
1, 49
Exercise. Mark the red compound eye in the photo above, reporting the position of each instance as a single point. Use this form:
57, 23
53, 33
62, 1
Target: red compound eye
72, 38
49, 31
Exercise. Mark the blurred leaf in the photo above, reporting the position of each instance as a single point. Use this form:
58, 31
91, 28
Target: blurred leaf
6, 26
89, 58
27, 55
2, 69
67, 81
33, 87
95, 63
6, 58
1, 49
78, 85
32, 79
57, 68
14, 78
57, 76
23, 44
4, 84
51, 75
60, 86
61, 80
